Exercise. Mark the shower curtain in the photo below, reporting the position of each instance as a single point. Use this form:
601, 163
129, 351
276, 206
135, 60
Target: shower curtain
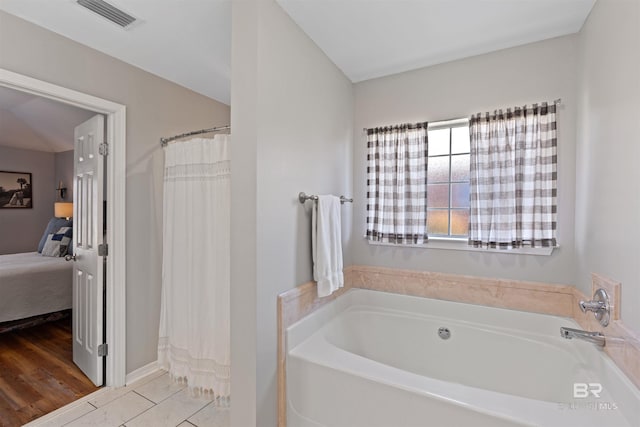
194, 341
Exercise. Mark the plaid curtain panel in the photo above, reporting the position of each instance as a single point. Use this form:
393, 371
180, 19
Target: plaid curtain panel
397, 184
513, 178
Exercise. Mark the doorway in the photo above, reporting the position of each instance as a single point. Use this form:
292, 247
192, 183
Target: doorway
51, 310
115, 284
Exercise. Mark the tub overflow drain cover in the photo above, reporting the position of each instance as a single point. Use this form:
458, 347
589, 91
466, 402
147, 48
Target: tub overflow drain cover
444, 333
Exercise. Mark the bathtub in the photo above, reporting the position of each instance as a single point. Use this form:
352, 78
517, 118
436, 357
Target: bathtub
377, 359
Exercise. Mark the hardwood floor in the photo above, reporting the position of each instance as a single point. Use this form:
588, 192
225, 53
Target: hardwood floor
37, 374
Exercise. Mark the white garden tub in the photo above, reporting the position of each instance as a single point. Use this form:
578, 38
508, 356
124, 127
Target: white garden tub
376, 359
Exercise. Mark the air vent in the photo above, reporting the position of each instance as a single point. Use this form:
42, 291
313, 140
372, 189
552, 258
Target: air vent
108, 11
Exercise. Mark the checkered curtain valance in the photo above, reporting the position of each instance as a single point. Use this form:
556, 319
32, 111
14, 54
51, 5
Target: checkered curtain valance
513, 178
397, 184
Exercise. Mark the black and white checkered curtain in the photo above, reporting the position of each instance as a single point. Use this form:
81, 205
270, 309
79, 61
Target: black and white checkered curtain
397, 184
513, 178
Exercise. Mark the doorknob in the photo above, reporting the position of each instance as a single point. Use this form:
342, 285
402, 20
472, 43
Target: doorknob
70, 257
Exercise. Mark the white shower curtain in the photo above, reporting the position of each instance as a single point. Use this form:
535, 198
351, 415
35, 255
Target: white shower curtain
194, 342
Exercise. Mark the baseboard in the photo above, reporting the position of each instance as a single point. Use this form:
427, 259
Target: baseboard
141, 372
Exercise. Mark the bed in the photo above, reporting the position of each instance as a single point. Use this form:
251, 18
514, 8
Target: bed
32, 284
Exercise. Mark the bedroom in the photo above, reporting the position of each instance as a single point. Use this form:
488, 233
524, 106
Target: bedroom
37, 175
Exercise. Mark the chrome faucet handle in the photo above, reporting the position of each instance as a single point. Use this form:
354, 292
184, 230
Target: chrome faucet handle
599, 305
594, 306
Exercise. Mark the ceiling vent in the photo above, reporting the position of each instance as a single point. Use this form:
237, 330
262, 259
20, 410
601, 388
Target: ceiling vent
109, 12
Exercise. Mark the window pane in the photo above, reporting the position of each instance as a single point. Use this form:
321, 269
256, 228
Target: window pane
459, 140
438, 195
437, 222
459, 222
460, 167
438, 169
460, 195
438, 142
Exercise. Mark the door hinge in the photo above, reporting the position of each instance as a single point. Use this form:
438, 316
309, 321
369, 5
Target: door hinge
103, 249
103, 350
103, 149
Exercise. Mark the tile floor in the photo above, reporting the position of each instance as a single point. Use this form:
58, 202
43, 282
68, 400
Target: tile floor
152, 401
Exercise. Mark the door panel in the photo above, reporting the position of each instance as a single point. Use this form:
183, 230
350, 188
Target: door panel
88, 278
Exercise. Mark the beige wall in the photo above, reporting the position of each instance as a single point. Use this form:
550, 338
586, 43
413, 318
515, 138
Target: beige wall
292, 111
608, 176
522, 75
21, 229
155, 108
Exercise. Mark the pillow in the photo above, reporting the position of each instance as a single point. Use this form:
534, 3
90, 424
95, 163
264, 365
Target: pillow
52, 227
68, 232
57, 244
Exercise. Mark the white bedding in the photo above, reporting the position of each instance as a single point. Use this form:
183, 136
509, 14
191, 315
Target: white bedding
32, 284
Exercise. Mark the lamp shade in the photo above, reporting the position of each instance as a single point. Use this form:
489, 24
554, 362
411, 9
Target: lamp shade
63, 209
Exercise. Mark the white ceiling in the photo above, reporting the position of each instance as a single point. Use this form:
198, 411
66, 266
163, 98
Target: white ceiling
189, 41
374, 38
184, 41
30, 122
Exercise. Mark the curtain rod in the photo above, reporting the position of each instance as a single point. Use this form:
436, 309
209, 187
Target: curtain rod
165, 141
555, 101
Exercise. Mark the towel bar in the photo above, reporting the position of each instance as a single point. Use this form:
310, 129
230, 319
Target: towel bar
303, 197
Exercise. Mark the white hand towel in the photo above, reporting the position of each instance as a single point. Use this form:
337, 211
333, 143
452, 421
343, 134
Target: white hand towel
326, 241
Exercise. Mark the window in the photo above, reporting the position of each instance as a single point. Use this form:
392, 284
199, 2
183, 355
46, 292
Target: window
489, 180
448, 179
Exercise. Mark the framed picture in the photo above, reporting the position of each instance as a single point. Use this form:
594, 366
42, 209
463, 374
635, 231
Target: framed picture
15, 190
